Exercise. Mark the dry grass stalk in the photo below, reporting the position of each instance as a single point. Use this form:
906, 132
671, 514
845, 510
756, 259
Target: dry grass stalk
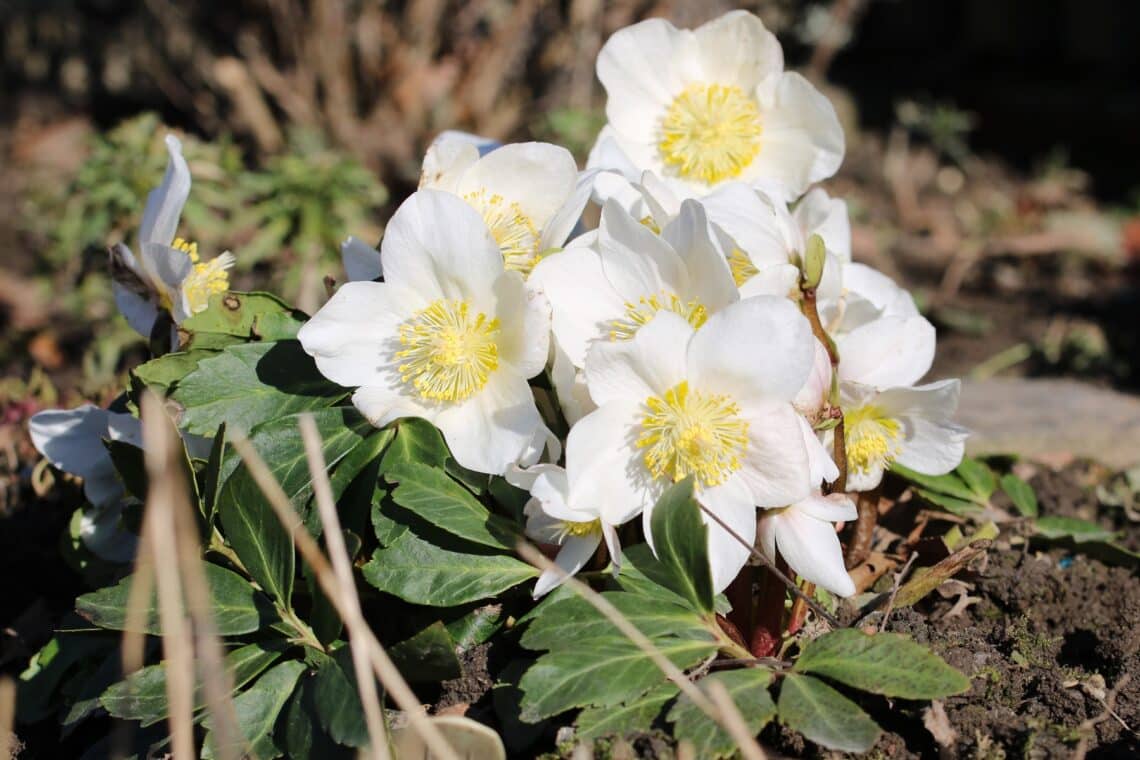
342, 566
7, 718
726, 713
382, 664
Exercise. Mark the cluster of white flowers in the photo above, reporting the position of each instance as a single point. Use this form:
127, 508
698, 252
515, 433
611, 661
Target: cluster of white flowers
674, 334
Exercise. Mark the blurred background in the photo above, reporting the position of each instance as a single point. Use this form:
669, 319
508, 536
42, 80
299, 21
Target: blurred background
991, 167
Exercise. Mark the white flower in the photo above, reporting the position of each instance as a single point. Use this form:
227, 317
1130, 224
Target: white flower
607, 291
72, 440
361, 261
910, 426
450, 335
714, 404
167, 274
529, 194
711, 105
804, 535
550, 519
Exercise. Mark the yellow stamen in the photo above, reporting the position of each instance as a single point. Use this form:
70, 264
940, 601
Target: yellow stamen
691, 433
637, 315
871, 438
580, 529
514, 231
710, 133
450, 352
742, 267
187, 247
207, 278
651, 223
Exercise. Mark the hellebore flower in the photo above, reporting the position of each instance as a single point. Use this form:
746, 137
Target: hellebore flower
804, 535
449, 336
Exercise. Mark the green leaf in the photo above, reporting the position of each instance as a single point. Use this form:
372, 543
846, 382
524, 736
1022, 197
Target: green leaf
417, 440
635, 715
949, 484
1020, 493
212, 481
129, 467
247, 315
978, 477
422, 573
886, 663
749, 690
477, 626
337, 698
249, 522
825, 716
1058, 526
575, 620
237, 607
643, 574
165, 372
602, 673
951, 504
432, 495
251, 383
256, 710
428, 656
681, 540
142, 695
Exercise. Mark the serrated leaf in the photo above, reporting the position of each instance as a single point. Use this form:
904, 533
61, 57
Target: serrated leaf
604, 673
142, 696
681, 540
643, 574
165, 372
635, 715
432, 495
977, 477
417, 440
237, 607
251, 383
1020, 493
886, 663
824, 716
421, 573
575, 620
249, 522
428, 656
949, 484
247, 315
748, 689
256, 711
337, 699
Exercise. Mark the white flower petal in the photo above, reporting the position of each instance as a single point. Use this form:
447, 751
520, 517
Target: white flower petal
72, 440
140, 312
812, 549
524, 324
561, 226
575, 553
821, 467
438, 246
836, 507
775, 280
583, 302
605, 470
892, 351
775, 465
880, 290
608, 155
732, 503
750, 219
633, 370
636, 261
539, 177
448, 157
931, 443
758, 348
361, 261
492, 430
736, 49
709, 274
570, 387
817, 213
164, 203
637, 68
101, 530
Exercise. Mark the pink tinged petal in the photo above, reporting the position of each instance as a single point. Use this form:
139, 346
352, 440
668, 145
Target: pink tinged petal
637, 69
439, 247
891, 351
775, 465
492, 430
355, 336
710, 277
736, 49
575, 553
648, 365
817, 213
583, 302
523, 340
757, 349
606, 470
812, 549
732, 503
636, 261
361, 261
164, 203
803, 141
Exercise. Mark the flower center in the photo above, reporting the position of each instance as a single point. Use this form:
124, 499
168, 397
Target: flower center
871, 438
742, 267
580, 529
690, 433
649, 222
637, 315
710, 133
207, 278
514, 232
448, 352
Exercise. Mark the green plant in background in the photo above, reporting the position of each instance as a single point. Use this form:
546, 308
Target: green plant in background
300, 207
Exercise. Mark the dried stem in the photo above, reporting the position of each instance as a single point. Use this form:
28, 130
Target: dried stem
382, 664
7, 718
859, 549
724, 713
342, 566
